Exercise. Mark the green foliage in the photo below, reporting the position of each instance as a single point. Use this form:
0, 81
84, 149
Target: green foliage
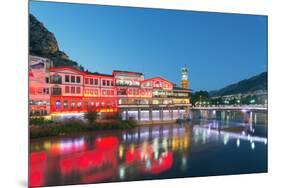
75, 126
200, 97
91, 116
39, 121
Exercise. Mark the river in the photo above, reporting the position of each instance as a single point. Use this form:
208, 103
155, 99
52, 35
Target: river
202, 147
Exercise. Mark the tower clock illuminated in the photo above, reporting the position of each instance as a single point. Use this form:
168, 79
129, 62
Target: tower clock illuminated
184, 74
184, 78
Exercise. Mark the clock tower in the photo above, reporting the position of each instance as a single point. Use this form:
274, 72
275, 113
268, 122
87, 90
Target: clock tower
184, 78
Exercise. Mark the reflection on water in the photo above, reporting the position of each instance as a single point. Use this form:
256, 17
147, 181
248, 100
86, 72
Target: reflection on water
151, 152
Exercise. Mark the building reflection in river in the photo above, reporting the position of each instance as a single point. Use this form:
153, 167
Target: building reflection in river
144, 151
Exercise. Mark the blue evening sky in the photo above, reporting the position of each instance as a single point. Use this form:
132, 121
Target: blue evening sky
218, 49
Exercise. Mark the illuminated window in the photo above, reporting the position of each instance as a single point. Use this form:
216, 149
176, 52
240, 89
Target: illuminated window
58, 104
65, 104
78, 90
97, 104
78, 80
96, 92
79, 104
86, 104
73, 79
86, 80
66, 78
66, 89
72, 104
108, 104
102, 104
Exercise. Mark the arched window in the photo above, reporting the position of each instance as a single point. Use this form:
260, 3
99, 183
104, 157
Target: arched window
58, 104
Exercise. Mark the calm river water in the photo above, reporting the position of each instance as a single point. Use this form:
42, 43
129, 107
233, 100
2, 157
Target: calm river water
203, 147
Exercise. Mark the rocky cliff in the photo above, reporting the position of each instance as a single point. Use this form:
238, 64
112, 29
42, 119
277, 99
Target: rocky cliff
43, 43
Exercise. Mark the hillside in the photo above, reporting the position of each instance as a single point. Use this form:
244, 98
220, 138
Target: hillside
258, 82
43, 43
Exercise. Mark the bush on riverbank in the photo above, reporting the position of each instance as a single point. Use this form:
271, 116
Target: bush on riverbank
75, 126
39, 121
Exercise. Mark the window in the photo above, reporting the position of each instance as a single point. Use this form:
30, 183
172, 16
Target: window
111, 83
72, 89
95, 92
86, 104
72, 104
66, 78
65, 104
91, 81
56, 91
66, 89
56, 79
79, 104
47, 79
86, 80
108, 104
46, 90
78, 80
107, 82
73, 79
103, 83
78, 90
58, 105
96, 82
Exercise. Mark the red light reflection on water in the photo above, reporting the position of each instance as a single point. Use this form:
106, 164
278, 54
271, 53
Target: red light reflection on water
37, 167
163, 164
104, 153
94, 163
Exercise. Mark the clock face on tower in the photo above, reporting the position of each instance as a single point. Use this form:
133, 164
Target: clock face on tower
184, 74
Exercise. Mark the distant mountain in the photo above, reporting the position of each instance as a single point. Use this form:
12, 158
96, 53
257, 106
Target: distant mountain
255, 83
43, 43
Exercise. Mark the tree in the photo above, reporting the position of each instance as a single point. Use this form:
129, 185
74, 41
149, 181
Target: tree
200, 96
91, 116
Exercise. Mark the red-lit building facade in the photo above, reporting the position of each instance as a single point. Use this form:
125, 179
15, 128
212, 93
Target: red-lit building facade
69, 90
76, 91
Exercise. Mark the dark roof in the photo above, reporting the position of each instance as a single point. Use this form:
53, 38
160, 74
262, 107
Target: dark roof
180, 88
97, 73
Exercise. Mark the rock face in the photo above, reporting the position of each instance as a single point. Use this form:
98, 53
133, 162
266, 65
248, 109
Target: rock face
255, 83
43, 43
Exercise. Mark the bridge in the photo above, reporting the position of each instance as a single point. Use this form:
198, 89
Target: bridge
232, 107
